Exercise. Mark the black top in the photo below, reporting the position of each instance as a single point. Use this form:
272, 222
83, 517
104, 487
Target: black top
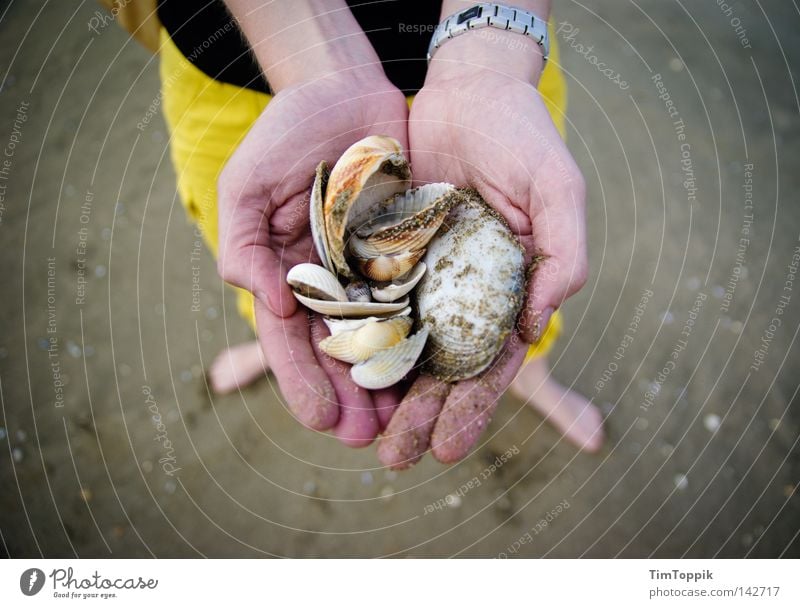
205, 33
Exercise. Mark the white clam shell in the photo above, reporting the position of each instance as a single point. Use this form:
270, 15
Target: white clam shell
336, 326
390, 366
371, 338
350, 309
395, 291
315, 282
473, 291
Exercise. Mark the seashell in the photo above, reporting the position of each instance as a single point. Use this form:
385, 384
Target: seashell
473, 291
358, 291
368, 172
315, 282
350, 309
390, 366
339, 325
317, 215
372, 337
396, 290
405, 222
389, 267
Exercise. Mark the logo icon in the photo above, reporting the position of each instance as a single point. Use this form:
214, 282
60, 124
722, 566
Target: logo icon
31, 581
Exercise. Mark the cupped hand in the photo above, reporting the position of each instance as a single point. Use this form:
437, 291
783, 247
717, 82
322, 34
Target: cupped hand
492, 132
264, 230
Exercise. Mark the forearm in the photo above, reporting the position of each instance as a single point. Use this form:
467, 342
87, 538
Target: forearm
497, 50
301, 40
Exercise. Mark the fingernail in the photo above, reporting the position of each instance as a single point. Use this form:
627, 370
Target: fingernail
540, 325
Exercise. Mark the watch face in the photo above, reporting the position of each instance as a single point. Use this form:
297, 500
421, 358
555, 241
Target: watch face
471, 13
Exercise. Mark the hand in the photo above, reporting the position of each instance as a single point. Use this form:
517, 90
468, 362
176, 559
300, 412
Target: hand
264, 231
489, 129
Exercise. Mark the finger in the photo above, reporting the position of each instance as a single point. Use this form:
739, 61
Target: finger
246, 260
407, 436
559, 234
286, 343
386, 402
471, 403
358, 423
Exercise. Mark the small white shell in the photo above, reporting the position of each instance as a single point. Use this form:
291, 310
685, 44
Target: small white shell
350, 309
315, 282
390, 366
339, 325
371, 338
389, 267
358, 291
396, 290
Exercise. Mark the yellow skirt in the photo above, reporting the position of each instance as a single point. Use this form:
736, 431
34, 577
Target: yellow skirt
208, 119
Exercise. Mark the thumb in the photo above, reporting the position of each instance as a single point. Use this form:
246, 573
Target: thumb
246, 259
560, 267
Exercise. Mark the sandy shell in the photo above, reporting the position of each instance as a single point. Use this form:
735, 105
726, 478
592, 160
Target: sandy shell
473, 291
389, 292
368, 172
315, 282
390, 366
406, 222
389, 267
317, 215
371, 338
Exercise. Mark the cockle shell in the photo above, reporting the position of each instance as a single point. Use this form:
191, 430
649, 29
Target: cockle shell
473, 291
394, 291
390, 366
337, 326
389, 267
405, 222
317, 215
372, 337
319, 290
369, 172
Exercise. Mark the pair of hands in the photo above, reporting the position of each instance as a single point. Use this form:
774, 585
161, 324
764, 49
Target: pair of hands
479, 129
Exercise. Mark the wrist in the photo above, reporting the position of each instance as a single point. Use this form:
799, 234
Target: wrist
515, 54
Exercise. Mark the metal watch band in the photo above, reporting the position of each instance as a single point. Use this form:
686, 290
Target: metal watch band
486, 14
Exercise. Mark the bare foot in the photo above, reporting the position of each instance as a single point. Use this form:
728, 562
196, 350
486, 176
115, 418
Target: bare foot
237, 367
573, 415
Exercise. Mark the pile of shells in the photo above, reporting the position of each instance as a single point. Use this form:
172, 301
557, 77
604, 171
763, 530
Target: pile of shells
381, 243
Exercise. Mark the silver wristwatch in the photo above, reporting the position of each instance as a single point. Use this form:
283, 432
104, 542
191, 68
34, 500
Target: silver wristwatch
486, 14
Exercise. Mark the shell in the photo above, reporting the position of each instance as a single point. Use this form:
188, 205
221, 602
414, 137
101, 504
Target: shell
358, 291
368, 172
371, 338
390, 366
317, 215
339, 325
405, 222
473, 291
350, 309
389, 267
396, 290
315, 282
